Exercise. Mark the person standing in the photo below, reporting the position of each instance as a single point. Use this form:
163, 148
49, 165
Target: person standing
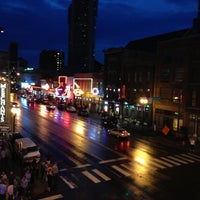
192, 140
2, 190
49, 179
55, 174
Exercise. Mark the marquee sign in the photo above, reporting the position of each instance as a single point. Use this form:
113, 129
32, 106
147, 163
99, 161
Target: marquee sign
4, 102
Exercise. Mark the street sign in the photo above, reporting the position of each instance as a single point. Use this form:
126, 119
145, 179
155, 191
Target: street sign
155, 98
4, 129
165, 130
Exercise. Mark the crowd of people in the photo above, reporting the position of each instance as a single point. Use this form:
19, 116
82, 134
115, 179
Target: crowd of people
17, 182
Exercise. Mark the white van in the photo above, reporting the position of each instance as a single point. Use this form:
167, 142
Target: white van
26, 150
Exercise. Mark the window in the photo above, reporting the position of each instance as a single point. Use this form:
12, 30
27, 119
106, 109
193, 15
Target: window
165, 75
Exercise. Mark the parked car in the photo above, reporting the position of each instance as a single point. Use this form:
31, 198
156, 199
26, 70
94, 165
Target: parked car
14, 104
119, 132
50, 106
26, 150
83, 112
71, 109
61, 106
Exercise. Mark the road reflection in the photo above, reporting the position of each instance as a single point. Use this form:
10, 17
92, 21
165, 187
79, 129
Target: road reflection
122, 146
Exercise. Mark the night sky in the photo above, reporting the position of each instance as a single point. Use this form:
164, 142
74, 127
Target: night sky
43, 24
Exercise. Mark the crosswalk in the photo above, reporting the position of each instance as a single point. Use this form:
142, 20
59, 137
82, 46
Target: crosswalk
107, 171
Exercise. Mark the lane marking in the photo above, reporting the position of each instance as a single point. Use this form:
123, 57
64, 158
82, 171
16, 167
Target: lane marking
58, 196
69, 183
125, 173
112, 160
171, 161
90, 176
63, 170
99, 173
76, 162
82, 166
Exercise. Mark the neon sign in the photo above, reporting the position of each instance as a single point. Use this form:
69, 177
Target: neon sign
3, 101
95, 91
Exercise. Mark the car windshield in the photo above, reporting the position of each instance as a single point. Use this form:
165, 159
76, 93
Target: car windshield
31, 149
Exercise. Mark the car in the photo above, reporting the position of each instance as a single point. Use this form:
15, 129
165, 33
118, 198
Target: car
50, 107
27, 150
119, 132
71, 109
83, 112
14, 104
61, 106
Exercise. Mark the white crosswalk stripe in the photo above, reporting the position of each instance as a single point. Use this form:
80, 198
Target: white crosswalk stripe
157, 165
190, 156
171, 161
91, 176
122, 171
162, 162
194, 155
69, 183
99, 173
186, 159
177, 159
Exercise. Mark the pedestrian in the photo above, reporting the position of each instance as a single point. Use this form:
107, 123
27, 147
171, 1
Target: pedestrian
49, 179
2, 190
55, 174
23, 186
42, 172
10, 191
192, 140
11, 177
4, 177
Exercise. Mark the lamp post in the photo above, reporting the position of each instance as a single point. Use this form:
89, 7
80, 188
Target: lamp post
143, 102
14, 113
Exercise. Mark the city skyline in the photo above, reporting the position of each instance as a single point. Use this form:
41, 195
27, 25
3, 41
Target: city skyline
43, 25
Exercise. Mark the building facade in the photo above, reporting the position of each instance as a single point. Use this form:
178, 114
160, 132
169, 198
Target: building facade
82, 27
52, 60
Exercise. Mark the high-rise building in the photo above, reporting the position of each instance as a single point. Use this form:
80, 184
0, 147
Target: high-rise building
51, 60
82, 27
13, 66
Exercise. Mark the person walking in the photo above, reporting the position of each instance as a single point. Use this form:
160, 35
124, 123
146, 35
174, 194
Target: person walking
192, 140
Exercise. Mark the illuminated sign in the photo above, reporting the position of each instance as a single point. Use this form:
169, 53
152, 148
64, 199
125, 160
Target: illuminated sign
95, 91
78, 92
4, 101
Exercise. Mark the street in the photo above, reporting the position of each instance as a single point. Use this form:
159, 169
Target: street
95, 165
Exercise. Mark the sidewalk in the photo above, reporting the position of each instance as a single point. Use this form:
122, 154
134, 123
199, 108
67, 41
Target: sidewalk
175, 140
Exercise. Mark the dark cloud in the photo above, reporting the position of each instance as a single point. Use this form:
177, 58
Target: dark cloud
43, 24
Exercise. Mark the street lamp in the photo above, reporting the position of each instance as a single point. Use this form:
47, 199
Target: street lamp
1, 30
14, 112
143, 102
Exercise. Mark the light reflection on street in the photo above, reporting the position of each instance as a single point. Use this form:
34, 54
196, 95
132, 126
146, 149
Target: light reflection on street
79, 128
142, 171
122, 146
